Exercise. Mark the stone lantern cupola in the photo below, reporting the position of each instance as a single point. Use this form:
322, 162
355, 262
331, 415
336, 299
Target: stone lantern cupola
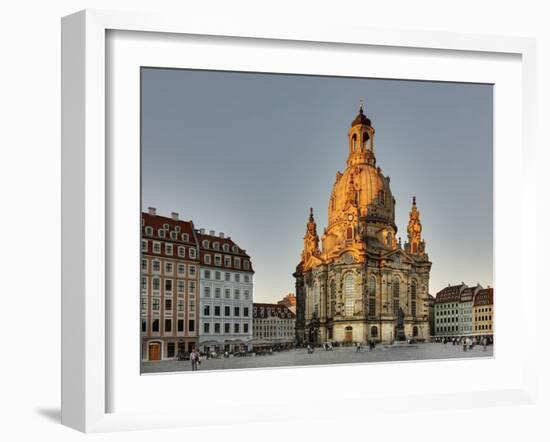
361, 141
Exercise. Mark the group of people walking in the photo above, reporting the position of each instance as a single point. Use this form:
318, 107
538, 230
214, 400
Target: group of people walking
327, 346
469, 343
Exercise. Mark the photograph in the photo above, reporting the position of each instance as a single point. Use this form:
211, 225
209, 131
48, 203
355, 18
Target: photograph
306, 220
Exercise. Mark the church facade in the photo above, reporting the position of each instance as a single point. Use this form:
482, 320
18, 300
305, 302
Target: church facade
358, 282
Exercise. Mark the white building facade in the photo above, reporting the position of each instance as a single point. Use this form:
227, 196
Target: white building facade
274, 324
226, 294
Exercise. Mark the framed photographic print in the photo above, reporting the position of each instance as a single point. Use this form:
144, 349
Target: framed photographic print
306, 206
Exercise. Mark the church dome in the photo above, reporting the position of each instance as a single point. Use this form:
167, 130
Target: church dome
364, 187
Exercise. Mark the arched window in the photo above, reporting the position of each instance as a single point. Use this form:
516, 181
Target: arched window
415, 331
349, 233
333, 298
365, 139
349, 289
388, 239
415, 247
374, 332
372, 296
354, 142
316, 298
413, 298
395, 291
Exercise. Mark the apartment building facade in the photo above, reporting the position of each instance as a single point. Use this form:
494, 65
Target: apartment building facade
169, 286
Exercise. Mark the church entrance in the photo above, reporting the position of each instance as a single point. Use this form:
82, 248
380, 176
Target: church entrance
348, 335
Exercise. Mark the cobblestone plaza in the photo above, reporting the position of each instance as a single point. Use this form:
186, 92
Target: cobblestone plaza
339, 355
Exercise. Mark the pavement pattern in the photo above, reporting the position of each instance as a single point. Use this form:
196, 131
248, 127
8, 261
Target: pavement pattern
339, 355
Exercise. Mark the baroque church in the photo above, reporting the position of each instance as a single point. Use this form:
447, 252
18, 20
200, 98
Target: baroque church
358, 282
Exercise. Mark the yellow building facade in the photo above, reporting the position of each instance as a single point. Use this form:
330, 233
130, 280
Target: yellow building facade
357, 282
482, 318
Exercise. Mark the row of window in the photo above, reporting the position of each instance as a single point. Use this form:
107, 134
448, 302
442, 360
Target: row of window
180, 326
181, 285
226, 328
452, 328
207, 292
446, 305
155, 304
228, 261
169, 249
446, 320
207, 311
228, 276
216, 246
169, 268
484, 318
447, 313
484, 327
174, 234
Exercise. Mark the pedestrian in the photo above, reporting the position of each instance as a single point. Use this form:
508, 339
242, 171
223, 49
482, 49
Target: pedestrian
193, 358
484, 342
469, 343
464, 344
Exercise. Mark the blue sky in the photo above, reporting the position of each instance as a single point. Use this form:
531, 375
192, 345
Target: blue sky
248, 154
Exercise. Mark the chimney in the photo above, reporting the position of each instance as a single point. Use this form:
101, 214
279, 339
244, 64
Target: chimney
221, 235
212, 233
202, 231
152, 211
175, 216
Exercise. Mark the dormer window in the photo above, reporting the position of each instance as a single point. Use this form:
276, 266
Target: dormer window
226, 248
149, 230
216, 246
235, 249
205, 244
185, 237
162, 233
174, 235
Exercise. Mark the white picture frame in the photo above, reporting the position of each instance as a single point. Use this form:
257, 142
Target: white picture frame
92, 218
